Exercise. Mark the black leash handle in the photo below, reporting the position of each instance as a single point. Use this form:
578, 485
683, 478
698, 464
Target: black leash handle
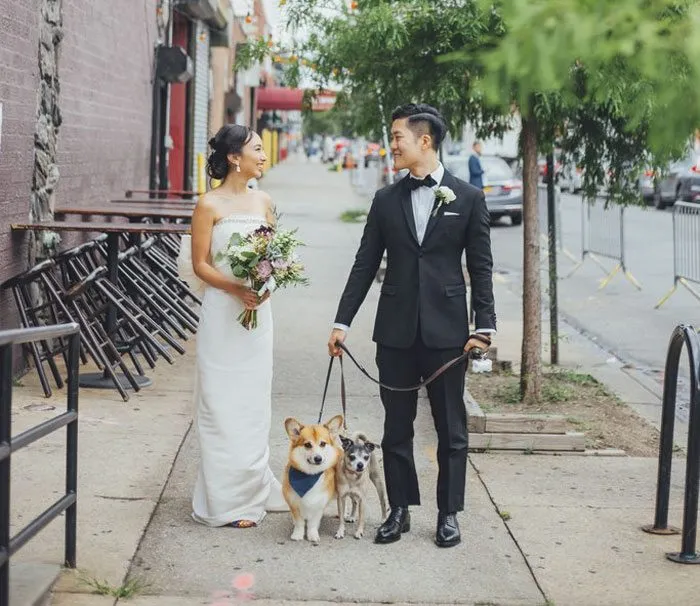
443, 369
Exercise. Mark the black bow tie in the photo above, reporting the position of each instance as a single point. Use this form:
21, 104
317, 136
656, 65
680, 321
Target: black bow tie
414, 183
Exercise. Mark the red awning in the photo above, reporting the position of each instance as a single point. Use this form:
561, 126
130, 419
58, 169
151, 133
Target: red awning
280, 98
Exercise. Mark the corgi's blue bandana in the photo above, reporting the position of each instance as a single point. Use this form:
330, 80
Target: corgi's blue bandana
302, 482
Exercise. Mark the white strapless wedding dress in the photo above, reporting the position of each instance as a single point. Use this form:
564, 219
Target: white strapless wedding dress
233, 402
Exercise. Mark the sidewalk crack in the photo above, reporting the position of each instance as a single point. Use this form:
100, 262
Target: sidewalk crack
510, 533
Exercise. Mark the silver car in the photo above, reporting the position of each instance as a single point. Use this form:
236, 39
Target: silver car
503, 190
681, 178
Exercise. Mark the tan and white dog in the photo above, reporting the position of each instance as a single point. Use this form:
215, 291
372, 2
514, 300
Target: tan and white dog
309, 481
357, 470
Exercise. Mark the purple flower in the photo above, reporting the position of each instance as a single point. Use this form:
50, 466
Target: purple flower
263, 230
264, 269
280, 264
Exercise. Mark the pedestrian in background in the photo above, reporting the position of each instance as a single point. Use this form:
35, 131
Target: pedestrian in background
476, 172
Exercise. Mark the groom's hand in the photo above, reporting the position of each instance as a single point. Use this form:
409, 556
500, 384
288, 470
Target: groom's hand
476, 344
336, 335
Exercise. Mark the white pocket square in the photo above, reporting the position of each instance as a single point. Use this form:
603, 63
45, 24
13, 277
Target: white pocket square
447, 214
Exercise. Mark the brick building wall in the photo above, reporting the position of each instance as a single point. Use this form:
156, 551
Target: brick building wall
18, 95
105, 74
104, 71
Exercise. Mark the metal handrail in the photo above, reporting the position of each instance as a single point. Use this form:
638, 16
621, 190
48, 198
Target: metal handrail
18, 336
8, 445
688, 336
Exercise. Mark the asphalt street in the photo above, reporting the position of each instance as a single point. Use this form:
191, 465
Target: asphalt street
618, 316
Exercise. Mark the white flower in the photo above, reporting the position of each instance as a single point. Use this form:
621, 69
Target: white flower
443, 195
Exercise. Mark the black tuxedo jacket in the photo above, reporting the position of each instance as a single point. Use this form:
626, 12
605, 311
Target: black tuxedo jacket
424, 282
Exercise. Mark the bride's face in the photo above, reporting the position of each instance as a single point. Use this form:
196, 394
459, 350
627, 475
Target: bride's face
253, 158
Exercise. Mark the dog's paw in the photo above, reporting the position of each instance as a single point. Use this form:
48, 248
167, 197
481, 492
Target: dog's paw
350, 519
313, 537
340, 534
297, 535
359, 534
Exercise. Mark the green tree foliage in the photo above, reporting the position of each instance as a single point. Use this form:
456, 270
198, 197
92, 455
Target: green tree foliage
613, 83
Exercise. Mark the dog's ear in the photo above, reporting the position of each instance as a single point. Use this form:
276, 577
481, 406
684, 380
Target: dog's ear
293, 427
371, 446
347, 442
335, 424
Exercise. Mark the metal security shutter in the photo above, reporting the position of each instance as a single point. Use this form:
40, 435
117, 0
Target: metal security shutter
200, 112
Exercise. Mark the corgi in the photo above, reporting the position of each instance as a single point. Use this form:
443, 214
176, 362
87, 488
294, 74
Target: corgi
309, 477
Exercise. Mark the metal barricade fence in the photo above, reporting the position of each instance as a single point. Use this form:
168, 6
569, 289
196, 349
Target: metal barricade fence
544, 223
686, 249
9, 445
603, 234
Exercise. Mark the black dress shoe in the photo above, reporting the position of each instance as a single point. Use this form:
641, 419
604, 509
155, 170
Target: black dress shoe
447, 534
399, 521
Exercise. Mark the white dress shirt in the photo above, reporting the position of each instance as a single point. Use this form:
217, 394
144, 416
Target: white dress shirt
422, 202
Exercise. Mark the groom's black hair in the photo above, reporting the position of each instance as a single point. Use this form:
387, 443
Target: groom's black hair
423, 119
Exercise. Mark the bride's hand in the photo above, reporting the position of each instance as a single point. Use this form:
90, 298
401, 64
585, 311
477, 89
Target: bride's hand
247, 296
265, 297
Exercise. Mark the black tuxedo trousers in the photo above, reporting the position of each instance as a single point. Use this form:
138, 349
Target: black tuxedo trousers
403, 368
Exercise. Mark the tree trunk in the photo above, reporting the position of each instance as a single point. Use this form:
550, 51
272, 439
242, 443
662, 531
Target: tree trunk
531, 354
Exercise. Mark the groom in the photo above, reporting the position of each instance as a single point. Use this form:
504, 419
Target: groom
422, 320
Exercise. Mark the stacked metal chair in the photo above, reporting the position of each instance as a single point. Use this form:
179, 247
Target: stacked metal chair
141, 318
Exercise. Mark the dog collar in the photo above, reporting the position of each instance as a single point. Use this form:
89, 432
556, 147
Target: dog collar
302, 482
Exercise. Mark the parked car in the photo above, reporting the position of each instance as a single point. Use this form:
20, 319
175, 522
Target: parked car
503, 190
646, 186
542, 169
681, 183
571, 178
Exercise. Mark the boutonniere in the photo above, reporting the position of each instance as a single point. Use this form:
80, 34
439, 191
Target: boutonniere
443, 195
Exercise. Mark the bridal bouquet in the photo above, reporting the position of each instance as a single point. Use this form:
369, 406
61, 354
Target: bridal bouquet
266, 258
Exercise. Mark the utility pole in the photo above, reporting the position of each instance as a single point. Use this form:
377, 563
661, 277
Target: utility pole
552, 243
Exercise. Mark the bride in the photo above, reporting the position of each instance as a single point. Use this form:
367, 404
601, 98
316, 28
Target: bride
235, 486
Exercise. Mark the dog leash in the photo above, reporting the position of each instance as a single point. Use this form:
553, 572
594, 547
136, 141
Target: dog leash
443, 369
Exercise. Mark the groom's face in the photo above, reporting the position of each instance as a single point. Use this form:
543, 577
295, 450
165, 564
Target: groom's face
407, 148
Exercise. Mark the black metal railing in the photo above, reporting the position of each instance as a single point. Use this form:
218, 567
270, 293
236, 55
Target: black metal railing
9, 445
682, 335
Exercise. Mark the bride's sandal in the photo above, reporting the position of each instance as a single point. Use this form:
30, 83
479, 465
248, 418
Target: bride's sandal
242, 524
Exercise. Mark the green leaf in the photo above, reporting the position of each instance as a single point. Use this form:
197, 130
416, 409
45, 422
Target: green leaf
239, 271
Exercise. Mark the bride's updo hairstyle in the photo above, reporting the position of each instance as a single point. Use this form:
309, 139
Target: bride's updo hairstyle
231, 139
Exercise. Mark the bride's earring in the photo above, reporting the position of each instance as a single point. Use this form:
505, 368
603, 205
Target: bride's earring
238, 167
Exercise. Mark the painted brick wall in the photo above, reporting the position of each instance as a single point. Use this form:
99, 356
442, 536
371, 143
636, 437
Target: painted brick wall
105, 72
18, 96
103, 145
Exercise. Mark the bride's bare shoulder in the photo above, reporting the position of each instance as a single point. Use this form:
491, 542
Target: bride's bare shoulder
206, 204
269, 205
262, 195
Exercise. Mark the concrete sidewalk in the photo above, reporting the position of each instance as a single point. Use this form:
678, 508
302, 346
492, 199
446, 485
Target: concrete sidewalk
572, 538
